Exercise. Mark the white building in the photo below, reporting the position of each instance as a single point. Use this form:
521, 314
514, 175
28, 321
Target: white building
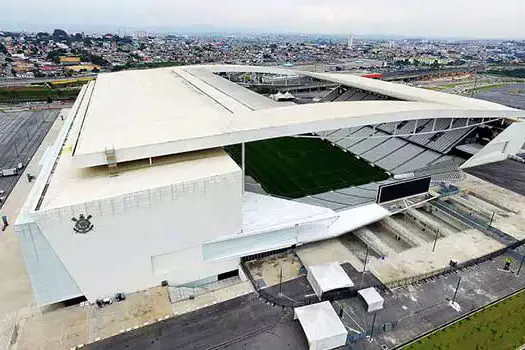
138, 190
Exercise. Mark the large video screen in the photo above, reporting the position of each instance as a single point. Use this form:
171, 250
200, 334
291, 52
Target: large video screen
403, 189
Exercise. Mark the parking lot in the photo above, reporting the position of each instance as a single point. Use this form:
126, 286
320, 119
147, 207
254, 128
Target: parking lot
20, 135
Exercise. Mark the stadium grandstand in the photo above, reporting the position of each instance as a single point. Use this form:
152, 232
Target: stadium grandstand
175, 174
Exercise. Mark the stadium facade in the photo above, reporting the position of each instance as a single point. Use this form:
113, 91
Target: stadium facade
138, 189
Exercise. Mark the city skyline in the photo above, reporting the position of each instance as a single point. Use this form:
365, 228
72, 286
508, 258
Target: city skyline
406, 18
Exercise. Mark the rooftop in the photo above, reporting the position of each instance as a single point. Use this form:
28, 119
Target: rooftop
70, 185
329, 277
319, 321
156, 112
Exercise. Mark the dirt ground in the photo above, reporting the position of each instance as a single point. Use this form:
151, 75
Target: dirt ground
511, 202
269, 268
462, 246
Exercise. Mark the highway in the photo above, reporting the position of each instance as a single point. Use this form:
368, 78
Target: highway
23, 82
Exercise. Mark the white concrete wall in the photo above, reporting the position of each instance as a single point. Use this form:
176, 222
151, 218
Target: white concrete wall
143, 238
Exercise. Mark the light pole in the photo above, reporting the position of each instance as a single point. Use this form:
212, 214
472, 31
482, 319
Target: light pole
364, 267
373, 324
435, 241
492, 218
281, 282
521, 264
243, 161
456, 292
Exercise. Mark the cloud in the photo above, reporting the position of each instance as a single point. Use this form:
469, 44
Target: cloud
472, 18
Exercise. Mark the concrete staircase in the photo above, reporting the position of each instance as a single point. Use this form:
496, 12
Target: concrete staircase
428, 222
370, 239
409, 237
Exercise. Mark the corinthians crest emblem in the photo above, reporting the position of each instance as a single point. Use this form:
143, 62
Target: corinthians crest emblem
82, 224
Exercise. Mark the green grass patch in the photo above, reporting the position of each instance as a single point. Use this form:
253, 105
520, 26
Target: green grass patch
435, 88
500, 326
33, 94
454, 85
296, 167
512, 73
489, 87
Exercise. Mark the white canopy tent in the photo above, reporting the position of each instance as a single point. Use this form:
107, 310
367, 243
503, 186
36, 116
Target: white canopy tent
323, 329
326, 277
372, 298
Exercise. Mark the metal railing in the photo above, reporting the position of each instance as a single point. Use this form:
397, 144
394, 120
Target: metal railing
450, 269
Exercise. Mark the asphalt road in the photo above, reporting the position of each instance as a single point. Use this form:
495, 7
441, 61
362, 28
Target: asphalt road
242, 323
512, 95
508, 174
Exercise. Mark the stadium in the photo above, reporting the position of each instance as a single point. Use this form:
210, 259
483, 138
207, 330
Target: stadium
174, 175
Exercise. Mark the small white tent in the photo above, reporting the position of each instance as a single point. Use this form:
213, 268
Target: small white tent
372, 298
326, 277
323, 329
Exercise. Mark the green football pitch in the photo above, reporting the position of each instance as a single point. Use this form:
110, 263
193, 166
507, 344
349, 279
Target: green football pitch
296, 167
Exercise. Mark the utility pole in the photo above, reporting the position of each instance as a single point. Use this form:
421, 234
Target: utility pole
16, 150
521, 264
281, 282
243, 161
476, 73
492, 218
373, 325
435, 241
456, 292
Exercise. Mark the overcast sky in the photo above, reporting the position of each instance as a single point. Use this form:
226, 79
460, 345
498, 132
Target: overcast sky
442, 18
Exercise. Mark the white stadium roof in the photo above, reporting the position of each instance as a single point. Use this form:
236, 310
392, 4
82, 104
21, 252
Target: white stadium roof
157, 112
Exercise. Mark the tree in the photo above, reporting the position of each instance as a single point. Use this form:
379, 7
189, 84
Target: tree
60, 34
55, 55
3, 49
95, 59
